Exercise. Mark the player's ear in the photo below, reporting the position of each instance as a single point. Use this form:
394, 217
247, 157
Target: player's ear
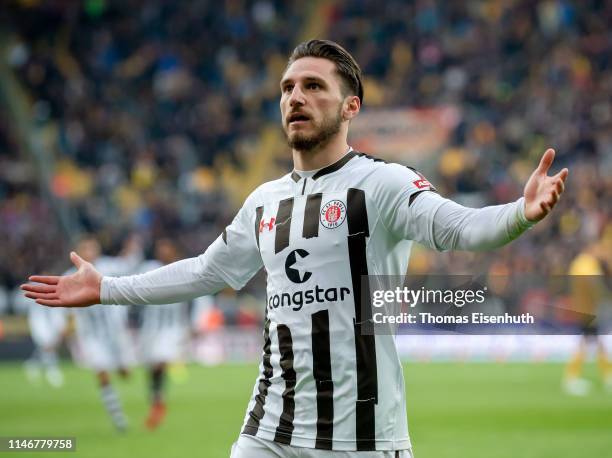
351, 107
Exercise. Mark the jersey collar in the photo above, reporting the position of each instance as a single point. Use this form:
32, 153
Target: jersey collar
330, 168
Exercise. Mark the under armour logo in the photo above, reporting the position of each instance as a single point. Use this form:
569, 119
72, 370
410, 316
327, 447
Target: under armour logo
269, 225
294, 272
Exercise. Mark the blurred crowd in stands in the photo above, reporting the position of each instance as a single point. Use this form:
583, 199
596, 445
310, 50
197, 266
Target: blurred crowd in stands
151, 99
527, 75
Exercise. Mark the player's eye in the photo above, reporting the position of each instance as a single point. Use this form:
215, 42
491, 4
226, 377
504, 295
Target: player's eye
287, 88
313, 86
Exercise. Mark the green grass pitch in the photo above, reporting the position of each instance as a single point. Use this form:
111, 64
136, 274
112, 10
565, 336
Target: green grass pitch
454, 410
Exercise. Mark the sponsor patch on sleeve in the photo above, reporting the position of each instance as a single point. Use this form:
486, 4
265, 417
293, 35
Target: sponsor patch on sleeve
422, 183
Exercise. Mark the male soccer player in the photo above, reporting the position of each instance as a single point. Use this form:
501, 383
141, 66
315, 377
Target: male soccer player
47, 327
325, 387
163, 335
102, 333
588, 286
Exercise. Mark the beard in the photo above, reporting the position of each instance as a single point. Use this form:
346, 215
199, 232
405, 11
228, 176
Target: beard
323, 132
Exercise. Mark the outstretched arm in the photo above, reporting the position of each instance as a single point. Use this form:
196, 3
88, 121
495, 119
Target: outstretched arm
231, 260
446, 225
459, 228
176, 282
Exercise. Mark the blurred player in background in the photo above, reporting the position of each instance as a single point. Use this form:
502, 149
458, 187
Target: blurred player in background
163, 335
103, 336
588, 274
47, 328
326, 386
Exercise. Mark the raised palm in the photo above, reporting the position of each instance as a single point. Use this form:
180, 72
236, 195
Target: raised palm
542, 191
79, 289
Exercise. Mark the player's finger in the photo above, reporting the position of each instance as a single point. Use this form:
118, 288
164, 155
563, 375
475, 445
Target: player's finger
42, 295
560, 185
547, 159
562, 174
46, 279
554, 199
38, 288
49, 302
545, 207
76, 259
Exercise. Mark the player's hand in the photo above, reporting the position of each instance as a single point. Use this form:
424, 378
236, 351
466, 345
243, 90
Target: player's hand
541, 191
79, 289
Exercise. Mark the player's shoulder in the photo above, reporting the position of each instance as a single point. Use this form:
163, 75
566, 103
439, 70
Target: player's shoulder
385, 173
370, 162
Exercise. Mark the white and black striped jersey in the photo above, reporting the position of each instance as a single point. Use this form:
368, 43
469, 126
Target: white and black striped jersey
98, 322
47, 324
324, 383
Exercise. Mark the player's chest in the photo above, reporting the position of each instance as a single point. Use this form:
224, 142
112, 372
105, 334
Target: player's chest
314, 225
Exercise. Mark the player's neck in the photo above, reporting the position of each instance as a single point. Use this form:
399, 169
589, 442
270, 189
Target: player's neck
321, 157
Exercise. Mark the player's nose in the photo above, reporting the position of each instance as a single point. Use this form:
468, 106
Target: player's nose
296, 97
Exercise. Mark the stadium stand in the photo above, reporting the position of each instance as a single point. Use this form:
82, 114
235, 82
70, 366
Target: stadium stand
163, 115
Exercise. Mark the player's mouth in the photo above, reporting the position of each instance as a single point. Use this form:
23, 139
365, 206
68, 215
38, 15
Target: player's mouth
297, 119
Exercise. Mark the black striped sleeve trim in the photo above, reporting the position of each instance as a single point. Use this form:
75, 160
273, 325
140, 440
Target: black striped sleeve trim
285, 347
283, 224
311, 216
365, 345
258, 216
415, 195
377, 159
257, 413
322, 372
373, 158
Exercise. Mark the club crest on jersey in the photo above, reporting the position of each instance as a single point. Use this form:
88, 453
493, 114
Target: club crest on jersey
333, 214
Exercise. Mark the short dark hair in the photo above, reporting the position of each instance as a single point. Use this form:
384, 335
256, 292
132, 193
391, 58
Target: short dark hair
346, 65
